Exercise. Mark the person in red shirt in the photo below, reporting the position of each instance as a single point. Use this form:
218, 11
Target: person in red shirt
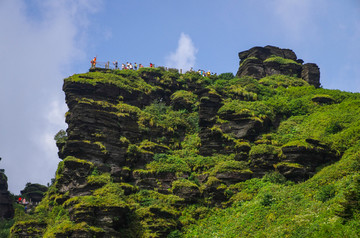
93, 62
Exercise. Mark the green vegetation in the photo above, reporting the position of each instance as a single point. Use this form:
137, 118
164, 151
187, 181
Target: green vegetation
275, 81
127, 80
5, 226
264, 149
280, 60
60, 137
248, 59
163, 154
246, 109
159, 115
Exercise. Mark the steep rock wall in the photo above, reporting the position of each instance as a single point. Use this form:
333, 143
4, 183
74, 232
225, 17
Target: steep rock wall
6, 206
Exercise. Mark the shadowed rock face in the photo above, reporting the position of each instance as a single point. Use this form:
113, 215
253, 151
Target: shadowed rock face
255, 63
6, 206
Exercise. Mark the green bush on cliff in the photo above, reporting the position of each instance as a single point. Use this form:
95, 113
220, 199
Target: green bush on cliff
183, 183
320, 124
264, 149
186, 96
246, 109
167, 163
125, 79
230, 166
245, 88
158, 114
60, 137
280, 80
281, 60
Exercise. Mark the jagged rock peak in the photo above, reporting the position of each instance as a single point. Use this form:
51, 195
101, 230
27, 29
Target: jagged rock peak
266, 52
259, 62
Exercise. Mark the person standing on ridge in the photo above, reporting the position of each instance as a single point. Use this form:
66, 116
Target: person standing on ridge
135, 66
115, 64
93, 62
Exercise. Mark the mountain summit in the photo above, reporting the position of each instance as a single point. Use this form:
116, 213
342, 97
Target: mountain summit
157, 153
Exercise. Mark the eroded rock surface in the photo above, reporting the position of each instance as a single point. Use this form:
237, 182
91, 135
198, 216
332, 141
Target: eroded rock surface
259, 62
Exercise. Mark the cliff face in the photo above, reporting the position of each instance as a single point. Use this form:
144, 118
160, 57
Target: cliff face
142, 146
6, 206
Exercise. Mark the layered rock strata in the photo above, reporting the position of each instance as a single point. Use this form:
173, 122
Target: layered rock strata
259, 62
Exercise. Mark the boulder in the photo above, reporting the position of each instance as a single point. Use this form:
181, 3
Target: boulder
232, 177
300, 162
261, 164
215, 190
187, 190
311, 74
254, 63
323, 99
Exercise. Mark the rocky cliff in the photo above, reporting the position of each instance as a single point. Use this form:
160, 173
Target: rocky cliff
259, 62
6, 203
143, 146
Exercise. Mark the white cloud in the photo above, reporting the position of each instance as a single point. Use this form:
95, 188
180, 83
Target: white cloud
35, 50
56, 113
185, 55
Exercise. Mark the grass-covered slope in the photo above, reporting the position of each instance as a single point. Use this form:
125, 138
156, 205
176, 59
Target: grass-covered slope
152, 176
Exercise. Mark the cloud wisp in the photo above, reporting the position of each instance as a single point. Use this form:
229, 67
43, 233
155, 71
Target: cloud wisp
185, 55
36, 50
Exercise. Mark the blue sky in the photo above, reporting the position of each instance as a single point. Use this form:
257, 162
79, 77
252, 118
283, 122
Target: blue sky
43, 42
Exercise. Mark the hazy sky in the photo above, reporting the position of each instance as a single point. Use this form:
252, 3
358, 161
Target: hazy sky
43, 42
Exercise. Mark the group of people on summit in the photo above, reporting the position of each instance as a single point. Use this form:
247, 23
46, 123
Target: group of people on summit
135, 66
128, 65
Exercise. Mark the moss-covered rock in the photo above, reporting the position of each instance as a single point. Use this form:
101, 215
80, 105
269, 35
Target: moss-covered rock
187, 190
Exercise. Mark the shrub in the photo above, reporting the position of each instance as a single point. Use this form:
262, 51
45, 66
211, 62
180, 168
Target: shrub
229, 166
250, 109
274, 177
187, 96
226, 76
266, 200
325, 193
285, 81
61, 136
264, 149
167, 163
281, 60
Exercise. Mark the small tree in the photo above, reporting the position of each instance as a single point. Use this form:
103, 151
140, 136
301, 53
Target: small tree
61, 136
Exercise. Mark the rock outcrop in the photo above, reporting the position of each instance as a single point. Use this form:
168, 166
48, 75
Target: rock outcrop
33, 192
6, 203
142, 145
259, 62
